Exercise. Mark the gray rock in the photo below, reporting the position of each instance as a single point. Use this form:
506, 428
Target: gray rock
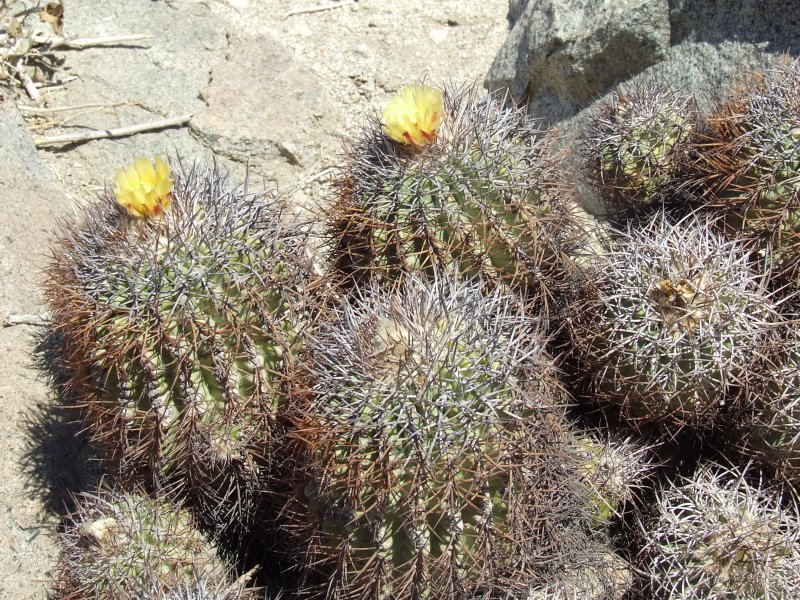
564, 53
17, 151
262, 107
30, 205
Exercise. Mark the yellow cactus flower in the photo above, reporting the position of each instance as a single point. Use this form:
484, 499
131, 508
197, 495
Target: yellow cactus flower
144, 188
414, 115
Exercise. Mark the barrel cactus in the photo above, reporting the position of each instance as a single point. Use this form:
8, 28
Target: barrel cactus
748, 163
636, 142
126, 546
461, 184
719, 536
177, 329
670, 323
434, 459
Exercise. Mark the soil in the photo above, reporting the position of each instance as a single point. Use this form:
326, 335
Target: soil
273, 88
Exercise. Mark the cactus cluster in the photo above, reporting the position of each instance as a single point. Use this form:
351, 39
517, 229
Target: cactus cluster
410, 433
481, 198
177, 331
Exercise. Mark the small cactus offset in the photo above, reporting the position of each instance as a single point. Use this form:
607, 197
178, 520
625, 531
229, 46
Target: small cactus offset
460, 184
671, 323
594, 572
717, 536
748, 163
614, 470
127, 546
177, 328
636, 142
434, 456
205, 589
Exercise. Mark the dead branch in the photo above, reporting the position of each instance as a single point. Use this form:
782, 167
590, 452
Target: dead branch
36, 320
56, 43
36, 110
98, 134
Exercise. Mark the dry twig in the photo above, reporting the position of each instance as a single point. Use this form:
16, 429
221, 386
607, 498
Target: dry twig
36, 320
37, 110
55, 43
318, 8
98, 134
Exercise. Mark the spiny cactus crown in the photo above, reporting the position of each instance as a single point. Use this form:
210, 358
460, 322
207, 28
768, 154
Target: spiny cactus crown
614, 469
636, 142
720, 537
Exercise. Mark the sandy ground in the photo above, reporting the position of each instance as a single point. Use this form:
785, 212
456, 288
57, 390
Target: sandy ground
271, 86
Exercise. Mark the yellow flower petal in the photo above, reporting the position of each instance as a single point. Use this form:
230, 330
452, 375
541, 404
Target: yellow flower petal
147, 174
163, 170
144, 188
414, 115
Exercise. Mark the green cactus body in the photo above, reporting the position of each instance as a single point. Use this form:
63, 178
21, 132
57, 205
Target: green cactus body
437, 463
749, 165
176, 333
126, 546
669, 326
719, 537
636, 142
480, 199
